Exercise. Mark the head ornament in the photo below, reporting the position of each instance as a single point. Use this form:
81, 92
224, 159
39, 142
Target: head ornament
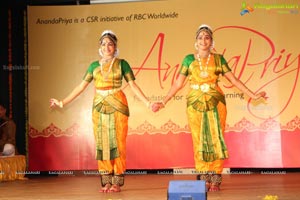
112, 36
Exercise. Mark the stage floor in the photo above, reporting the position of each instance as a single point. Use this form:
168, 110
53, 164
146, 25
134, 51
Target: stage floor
286, 186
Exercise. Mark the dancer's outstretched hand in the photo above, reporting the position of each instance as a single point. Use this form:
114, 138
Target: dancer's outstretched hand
156, 106
55, 103
262, 94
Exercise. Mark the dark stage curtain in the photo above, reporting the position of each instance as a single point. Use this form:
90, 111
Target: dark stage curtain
13, 71
14, 63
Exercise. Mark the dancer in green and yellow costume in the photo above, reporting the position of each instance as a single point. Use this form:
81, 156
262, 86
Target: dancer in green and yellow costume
110, 110
206, 106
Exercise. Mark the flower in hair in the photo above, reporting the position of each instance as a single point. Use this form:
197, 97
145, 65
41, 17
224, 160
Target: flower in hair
108, 32
204, 26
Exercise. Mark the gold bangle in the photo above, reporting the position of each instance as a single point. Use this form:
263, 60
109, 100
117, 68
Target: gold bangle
61, 104
163, 103
148, 104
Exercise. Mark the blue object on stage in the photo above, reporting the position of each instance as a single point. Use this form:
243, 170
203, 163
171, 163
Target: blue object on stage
187, 190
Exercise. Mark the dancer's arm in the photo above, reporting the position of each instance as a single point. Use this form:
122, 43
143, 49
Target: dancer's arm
139, 93
242, 87
75, 92
177, 85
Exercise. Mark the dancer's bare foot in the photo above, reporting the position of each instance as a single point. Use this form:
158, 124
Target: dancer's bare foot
106, 188
216, 180
206, 178
115, 188
214, 188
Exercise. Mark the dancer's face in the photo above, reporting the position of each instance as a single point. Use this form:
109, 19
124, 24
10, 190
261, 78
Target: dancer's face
107, 47
204, 41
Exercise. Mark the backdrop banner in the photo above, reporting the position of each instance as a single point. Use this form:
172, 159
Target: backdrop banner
260, 42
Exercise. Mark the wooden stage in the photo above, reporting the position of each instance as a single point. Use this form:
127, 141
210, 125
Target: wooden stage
152, 186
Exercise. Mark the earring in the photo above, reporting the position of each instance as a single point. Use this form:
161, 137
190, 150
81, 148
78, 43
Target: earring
117, 52
196, 46
100, 52
212, 45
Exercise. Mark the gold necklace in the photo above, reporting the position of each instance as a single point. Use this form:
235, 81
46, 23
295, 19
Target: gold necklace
203, 72
105, 74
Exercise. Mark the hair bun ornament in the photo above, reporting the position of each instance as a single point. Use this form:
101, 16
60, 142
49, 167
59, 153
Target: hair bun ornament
108, 32
204, 26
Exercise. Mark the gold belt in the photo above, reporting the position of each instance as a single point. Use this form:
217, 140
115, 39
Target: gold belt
205, 87
107, 92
